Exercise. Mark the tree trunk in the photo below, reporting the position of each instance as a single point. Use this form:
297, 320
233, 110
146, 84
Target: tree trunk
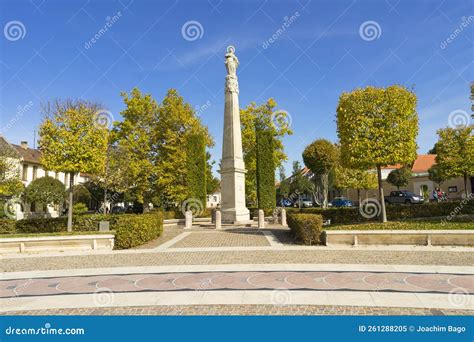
105, 200
465, 186
71, 198
324, 185
358, 197
381, 198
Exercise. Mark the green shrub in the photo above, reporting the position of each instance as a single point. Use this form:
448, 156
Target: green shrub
7, 226
394, 212
307, 227
41, 225
134, 230
79, 208
406, 225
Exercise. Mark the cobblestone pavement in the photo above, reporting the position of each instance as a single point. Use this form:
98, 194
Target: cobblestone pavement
212, 281
229, 238
299, 310
317, 256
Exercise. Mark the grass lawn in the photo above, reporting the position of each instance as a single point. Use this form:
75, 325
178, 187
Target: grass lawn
403, 225
53, 234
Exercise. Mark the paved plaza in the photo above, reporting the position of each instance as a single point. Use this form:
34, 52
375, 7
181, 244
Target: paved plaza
240, 271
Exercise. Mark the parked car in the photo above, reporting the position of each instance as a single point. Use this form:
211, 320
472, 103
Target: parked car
303, 203
341, 202
117, 210
403, 197
286, 203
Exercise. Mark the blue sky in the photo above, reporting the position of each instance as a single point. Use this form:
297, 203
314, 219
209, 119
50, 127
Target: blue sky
321, 53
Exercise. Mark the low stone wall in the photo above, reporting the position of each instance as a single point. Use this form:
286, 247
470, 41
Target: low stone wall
52, 244
400, 237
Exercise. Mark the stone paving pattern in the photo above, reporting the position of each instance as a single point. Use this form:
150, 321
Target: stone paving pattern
316, 256
211, 281
229, 238
232, 310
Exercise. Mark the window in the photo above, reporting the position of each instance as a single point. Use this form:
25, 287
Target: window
24, 174
35, 172
453, 189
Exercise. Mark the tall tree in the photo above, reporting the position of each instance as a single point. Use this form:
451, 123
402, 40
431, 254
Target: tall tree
265, 168
134, 138
377, 127
280, 129
153, 141
196, 168
321, 156
399, 177
212, 182
72, 140
299, 184
10, 183
176, 121
455, 156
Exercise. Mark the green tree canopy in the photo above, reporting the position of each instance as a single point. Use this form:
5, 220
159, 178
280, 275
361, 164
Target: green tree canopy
435, 175
455, 156
377, 127
45, 190
266, 118
152, 139
265, 168
321, 156
399, 177
10, 184
73, 139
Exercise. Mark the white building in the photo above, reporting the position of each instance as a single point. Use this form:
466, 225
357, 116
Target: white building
213, 200
30, 168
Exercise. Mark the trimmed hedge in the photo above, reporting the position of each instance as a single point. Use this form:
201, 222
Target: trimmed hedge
405, 225
135, 230
7, 226
394, 212
130, 229
307, 227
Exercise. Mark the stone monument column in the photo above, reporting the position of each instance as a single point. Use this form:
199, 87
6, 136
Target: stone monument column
232, 165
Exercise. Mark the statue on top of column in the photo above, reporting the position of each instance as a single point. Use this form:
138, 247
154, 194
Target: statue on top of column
231, 61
